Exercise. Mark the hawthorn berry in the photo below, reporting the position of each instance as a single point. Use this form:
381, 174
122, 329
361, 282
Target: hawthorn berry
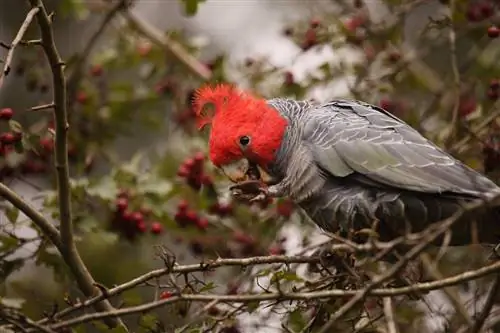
82, 97
493, 31
165, 294
6, 114
310, 40
141, 227
284, 208
96, 70
486, 8
156, 228
7, 138
121, 204
314, 23
289, 79
276, 250
202, 223
47, 144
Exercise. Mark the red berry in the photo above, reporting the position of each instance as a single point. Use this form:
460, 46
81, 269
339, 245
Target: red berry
7, 138
144, 49
96, 70
199, 158
314, 23
394, 56
156, 228
276, 250
182, 206
127, 216
354, 23
165, 295
493, 31
121, 204
191, 216
47, 144
386, 104
493, 94
141, 227
242, 238
284, 208
202, 223
494, 84
310, 39
123, 193
6, 113
137, 217
289, 79
467, 105
82, 97
486, 9
183, 172
474, 14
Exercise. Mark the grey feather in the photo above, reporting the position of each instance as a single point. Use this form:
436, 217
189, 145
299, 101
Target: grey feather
348, 163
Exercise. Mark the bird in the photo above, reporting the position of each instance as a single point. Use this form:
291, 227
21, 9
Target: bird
347, 164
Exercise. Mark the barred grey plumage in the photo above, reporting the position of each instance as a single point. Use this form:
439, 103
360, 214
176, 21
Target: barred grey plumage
348, 163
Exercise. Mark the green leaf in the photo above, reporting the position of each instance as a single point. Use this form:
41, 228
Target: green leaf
286, 276
191, 6
106, 189
296, 320
148, 321
207, 287
12, 214
19, 147
15, 126
155, 186
252, 306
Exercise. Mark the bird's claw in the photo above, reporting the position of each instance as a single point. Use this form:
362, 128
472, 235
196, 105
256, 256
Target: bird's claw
263, 195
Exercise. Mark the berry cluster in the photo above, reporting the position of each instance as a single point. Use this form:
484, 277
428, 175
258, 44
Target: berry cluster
132, 222
186, 216
192, 170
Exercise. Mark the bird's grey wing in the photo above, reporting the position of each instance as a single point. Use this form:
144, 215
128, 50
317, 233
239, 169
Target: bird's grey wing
350, 137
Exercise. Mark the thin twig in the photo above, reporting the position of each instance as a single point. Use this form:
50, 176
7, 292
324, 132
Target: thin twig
46, 227
455, 71
410, 255
488, 305
389, 315
69, 250
283, 296
43, 107
176, 49
454, 298
79, 64
19, 36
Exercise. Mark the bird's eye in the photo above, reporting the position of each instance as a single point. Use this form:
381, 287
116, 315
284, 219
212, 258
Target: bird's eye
244, 140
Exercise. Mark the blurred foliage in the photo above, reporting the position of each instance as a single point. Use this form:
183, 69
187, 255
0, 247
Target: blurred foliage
133, 87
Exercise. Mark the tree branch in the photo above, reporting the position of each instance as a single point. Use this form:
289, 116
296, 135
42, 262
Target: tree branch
176, 49
45, 226
488, 305
19, 36
68, 248
434, 232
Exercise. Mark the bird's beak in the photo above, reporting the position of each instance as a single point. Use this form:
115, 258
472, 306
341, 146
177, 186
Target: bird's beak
237, 170
242, 170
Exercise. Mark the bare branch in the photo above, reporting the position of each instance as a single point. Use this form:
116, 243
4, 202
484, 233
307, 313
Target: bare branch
176, 49
488, 305
19, 36
68, 248
45, 226
389, 315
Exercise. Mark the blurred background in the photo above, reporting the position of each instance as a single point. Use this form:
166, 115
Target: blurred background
140, 181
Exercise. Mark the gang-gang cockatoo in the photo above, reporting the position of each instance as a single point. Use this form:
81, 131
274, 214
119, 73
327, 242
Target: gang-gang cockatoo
346, 163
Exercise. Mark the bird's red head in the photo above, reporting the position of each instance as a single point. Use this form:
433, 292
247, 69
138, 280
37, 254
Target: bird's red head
243, 127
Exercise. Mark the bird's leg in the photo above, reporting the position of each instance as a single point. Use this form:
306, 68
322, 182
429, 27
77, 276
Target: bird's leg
273, 191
